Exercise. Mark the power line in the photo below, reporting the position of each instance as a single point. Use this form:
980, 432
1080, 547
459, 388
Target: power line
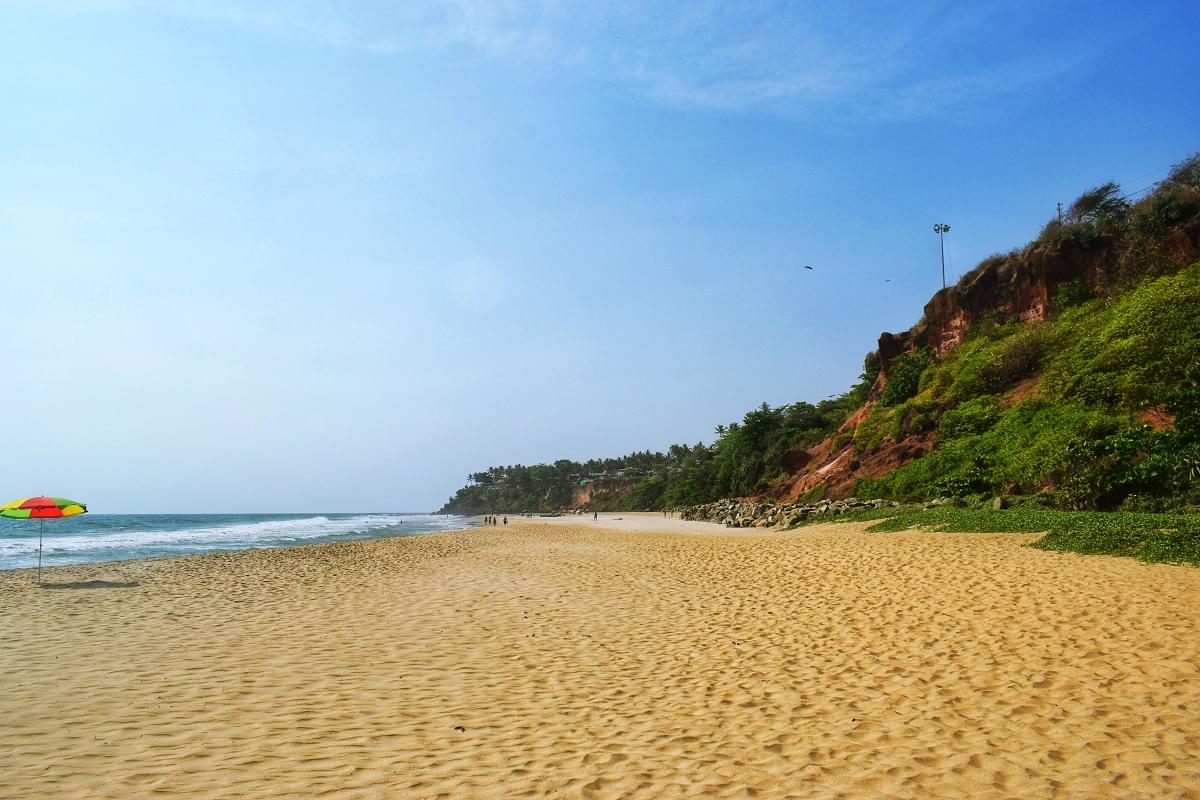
1147, 188
1134, 192
1148, 174
1141, 188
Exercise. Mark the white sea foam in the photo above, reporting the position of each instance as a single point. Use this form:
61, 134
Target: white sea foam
133, 541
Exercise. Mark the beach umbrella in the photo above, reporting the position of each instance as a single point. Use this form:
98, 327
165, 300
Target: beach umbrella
41, 509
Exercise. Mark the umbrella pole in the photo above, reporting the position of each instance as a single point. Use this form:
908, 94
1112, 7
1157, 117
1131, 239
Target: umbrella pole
41, 522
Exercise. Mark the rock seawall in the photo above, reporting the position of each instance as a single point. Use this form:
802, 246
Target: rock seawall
744, 513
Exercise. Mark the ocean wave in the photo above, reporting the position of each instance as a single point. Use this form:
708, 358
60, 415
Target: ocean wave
131, 540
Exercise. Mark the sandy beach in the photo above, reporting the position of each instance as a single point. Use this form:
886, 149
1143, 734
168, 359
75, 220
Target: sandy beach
563, 658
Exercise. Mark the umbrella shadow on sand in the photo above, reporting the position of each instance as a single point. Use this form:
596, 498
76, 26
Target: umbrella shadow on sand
92, 585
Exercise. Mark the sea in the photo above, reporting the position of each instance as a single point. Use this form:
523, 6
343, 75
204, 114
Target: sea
88, 538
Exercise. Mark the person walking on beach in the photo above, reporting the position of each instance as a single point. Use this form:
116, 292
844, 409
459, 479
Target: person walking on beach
505, 519
595, 516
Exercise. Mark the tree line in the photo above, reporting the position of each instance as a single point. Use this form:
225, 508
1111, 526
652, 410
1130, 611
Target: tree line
743, 459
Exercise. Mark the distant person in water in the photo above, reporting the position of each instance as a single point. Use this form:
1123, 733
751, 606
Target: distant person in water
505, 519
595, 516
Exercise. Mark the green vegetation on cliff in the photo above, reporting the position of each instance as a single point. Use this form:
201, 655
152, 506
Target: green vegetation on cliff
1079, 436
1096, 405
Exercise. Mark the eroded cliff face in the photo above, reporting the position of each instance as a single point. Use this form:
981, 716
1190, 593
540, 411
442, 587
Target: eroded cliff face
1016, 286
583, 496
835, 463
1021, 285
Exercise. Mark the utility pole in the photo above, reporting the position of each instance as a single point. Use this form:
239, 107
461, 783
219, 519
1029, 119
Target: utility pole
1060, 212
941, 229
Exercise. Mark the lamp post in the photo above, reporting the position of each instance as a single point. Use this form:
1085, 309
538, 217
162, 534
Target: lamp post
941, 229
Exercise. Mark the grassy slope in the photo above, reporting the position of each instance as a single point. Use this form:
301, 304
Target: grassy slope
1094, 365
1165, 538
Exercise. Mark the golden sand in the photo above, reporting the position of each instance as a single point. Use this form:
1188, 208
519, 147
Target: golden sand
560, 661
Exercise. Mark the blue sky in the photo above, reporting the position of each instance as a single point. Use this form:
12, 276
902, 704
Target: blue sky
293, 256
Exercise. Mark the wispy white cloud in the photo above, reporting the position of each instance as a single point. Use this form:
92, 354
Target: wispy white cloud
875, 62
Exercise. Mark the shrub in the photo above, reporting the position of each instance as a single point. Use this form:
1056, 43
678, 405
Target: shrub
841, 440
972, 417
914, 416
919, 422
1030, 444
1166, 209
1128, 352
1023, 449
813, 495
1185, 174
1017, 359
992, 261
1082, 233
874, 428
904, 377
1068, 295
968, 481
1139, 467
973, 368
1098, 205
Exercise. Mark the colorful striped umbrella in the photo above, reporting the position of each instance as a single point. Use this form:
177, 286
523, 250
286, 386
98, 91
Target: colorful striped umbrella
41, 508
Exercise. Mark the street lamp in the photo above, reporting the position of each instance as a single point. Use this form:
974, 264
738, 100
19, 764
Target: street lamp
941, 229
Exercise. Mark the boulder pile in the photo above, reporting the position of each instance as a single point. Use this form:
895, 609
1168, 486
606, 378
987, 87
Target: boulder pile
742, 513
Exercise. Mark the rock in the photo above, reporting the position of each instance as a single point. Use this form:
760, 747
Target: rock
999, 503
